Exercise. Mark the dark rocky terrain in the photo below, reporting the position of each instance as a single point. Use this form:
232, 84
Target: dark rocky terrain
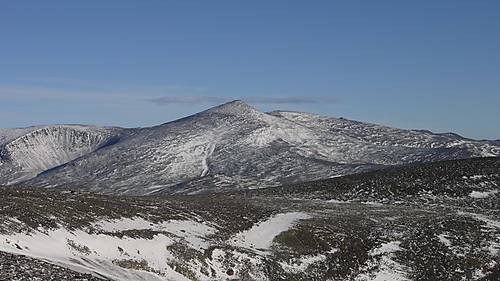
432, 221
22, 268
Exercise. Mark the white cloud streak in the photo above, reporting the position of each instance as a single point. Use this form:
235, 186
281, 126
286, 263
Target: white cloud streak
193, 99
68, 90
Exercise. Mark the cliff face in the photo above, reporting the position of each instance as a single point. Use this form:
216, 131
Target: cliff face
44, 148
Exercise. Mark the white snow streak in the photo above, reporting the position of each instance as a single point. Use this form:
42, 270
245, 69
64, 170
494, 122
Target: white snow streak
489, 222
95, 253
204, 162
389, 270
483, 194
300, 265
260, 237
190, 231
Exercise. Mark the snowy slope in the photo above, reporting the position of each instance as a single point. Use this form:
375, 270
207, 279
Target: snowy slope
387, 136
234, 146
24, 153
9, 134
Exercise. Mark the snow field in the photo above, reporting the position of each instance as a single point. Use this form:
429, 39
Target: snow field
93, 253
102, 254
389, 270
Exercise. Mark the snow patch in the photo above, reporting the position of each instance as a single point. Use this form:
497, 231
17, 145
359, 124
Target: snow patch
489, 222
106, 253
89, 253
388, 269
483, 194
444, 240
334, 201
475, 177
375, 204
190, 231
298, 265
260, 237
229, 265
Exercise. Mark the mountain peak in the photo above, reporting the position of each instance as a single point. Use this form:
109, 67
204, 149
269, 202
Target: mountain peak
235, 107
236, 103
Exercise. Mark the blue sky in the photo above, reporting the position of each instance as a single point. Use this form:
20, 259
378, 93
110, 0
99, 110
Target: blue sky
410, 64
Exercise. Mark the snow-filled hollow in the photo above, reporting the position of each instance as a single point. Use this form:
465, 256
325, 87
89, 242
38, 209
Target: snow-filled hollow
260, 237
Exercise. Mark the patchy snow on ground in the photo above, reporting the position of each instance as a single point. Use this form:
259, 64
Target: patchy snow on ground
191, 231
224, 264
335, 201
492, 224
444, 240
389, 270
260, 237
483, 194
300, 265
370, 203
494, 248
123, 224
475, 177
110, 254
98, 254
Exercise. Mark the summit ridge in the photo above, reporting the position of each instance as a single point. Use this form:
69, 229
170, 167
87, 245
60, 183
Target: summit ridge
227, 147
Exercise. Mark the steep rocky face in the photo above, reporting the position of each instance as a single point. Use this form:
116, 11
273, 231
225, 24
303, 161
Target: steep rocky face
43, 148
234, 146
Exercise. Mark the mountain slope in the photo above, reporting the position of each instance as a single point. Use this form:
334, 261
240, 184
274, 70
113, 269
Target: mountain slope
24, 153
402, 223
234, 146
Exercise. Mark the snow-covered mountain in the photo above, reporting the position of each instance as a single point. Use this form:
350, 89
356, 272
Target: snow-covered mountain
26, 152
231, 146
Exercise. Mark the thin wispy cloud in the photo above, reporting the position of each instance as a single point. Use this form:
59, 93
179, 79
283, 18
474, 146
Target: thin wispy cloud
199, 99
94, 92
40, 94
189, 100
290, 100
109, 85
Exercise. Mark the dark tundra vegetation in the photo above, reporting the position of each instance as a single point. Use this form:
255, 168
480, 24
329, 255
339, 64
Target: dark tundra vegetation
431, 221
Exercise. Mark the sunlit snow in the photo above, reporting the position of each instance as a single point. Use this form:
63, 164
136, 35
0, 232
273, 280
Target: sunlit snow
261, 235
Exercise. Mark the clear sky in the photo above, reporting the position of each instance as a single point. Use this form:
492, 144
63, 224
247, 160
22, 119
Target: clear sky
410, 64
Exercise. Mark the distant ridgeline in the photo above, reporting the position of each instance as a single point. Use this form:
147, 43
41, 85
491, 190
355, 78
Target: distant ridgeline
228, 147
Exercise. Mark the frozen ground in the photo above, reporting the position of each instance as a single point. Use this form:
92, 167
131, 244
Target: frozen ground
407, 223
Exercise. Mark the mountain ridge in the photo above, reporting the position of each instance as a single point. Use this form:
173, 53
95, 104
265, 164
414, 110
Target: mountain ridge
227, 147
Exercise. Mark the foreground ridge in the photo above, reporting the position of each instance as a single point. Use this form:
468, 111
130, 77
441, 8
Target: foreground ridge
403, 223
